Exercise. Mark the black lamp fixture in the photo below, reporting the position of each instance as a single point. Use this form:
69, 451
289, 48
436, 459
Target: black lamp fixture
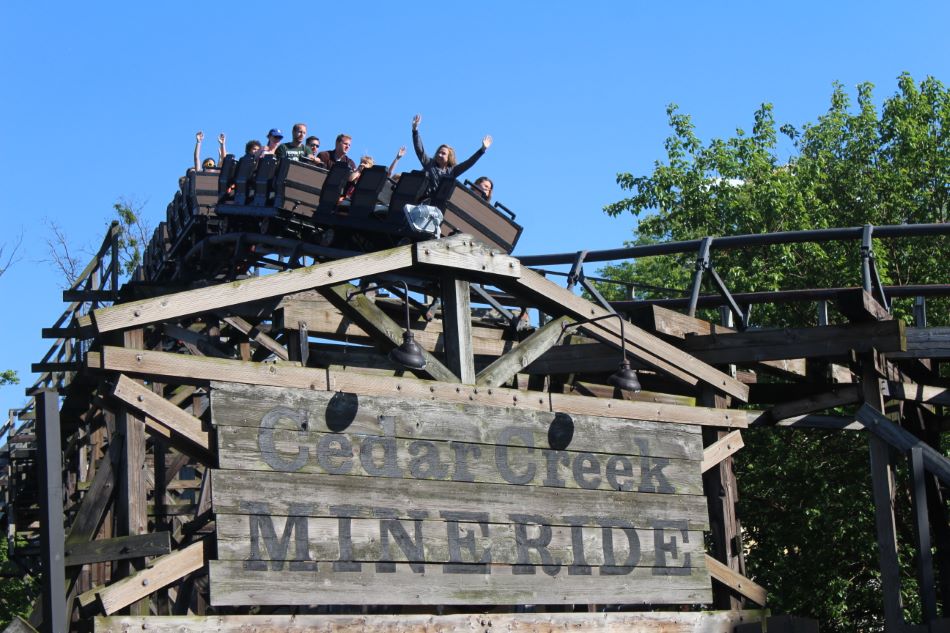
409, 353
624, 378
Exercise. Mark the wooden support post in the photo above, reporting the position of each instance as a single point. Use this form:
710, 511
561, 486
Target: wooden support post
457, 326
925, 571
132, 517
882, 483
52, 532
719, 485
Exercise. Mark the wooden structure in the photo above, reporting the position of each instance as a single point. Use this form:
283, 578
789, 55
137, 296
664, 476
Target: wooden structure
239, 451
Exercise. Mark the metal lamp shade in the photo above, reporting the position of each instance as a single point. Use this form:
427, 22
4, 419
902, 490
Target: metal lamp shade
409, 354
625, 378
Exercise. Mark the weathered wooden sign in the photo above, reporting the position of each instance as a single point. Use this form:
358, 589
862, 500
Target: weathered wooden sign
338, 498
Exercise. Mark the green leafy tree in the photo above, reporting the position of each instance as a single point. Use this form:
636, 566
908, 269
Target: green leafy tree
17, 592
805, 495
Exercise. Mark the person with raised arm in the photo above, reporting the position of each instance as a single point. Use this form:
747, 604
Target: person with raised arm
208, 162
443, 164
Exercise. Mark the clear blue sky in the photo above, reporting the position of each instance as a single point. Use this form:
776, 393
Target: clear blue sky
102, 100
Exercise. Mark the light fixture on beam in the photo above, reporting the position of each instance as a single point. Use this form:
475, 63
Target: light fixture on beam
624, 378
408, 354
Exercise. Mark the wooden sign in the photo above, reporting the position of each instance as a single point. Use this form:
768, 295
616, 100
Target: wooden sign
339, 498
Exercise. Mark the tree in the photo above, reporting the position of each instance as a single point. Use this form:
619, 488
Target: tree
134, 235
805, 495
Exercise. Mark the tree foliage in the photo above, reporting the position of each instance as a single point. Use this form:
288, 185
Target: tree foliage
805, 495
856, 164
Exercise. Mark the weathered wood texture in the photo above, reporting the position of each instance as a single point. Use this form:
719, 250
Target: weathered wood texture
736, 581
289, 375
136, 546
495, 505
323, 319
160, 573
138, 313
640, 343
695, 622
467, 256
161, 412
230, 585
382, 329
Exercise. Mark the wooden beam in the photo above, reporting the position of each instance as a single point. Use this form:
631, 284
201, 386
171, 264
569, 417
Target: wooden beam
131, 509
162, 572
828, 341
189, 367
926, 342
903, 440
640, 343
462, 253
859, 306
610, 622
457, 323
162, 412
383, 329
188, 302
323, 319
883, 489
198, 368
917, 393
736, 581
119, 548
838, 396
721, 449
540, 341
256, 335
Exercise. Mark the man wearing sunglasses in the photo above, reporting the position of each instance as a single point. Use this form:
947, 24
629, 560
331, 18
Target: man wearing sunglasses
313, 145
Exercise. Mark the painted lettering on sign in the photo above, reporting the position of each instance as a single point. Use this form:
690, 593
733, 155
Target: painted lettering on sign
326, 497
514, 456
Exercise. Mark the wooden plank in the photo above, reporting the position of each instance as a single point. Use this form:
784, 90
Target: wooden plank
721, 449
403, 586
640, 343
195, 368
462, 253
383, 329
119, 548
838, 396
234, 543
929, 342
457, 323
256, 335
162, 572
162, 411
827, 341
599, 622
188, 302
437, 420
540, 341
284, 375
234, 489
736, 581
241, 447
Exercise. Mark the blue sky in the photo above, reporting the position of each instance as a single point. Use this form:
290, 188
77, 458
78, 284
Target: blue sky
102, 100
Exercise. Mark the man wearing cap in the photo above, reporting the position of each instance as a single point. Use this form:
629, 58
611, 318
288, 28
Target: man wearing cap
295, 149
338, 155
273, 141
